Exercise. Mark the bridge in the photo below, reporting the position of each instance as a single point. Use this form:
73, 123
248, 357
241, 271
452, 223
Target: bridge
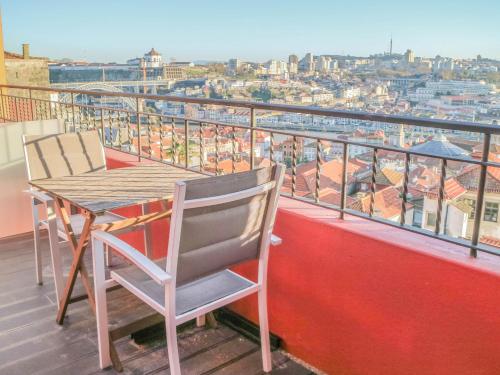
111, 86
136, 84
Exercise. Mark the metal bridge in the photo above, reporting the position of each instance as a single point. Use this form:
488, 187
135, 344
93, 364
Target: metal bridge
138, 84
109, 87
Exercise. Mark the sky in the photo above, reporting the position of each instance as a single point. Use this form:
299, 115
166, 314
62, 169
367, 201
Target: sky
256, 30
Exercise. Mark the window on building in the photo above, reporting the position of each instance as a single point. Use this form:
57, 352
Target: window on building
472, 204
431, 219
491, 212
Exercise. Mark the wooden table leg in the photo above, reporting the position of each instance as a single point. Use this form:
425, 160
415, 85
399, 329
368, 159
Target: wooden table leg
78, 248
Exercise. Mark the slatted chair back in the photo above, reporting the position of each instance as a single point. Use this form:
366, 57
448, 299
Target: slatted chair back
222, 221
60, 155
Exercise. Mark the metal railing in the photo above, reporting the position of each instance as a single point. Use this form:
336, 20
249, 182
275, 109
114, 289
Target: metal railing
185, 138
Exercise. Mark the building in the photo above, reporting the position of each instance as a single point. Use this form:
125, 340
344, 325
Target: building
449, 87
173, 71
25, 70
323, 65
233, 66
151, 59
276, 67
409, 56
306, 64
293, 64
439, 145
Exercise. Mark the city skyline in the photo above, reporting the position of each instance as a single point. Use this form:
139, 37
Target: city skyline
259, 31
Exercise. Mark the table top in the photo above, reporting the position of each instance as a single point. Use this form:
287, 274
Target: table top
105, 190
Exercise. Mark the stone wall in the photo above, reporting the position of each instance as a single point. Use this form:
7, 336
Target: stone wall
28, 72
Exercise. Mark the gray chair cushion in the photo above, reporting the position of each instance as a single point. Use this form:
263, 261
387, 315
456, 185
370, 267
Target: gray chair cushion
216, 237
188, 296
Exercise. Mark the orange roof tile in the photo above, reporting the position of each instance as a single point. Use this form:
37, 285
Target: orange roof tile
452, 190
490, 240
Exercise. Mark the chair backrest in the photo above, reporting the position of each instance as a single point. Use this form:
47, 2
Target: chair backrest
221, 221
60, 155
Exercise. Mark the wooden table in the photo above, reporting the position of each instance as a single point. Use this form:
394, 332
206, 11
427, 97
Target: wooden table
95, 193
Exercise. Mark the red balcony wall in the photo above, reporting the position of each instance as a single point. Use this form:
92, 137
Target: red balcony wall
356, 297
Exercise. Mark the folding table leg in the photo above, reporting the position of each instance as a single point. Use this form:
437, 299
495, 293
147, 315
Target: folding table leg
78, 248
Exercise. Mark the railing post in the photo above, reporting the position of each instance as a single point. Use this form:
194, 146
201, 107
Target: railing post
294, 165
252, 137
31, 104
345, 159
480, 195
103, 136
374, 181
2, 103
186, 143
319, 161
73, 111
441, 192
138, 130
50, 108
216, 149
404, 200
202, 148
271, 148
16, 104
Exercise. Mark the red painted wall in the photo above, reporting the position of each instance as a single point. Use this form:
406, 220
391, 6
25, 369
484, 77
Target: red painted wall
356, 297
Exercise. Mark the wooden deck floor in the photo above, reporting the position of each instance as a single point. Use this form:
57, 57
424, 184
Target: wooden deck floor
32, 343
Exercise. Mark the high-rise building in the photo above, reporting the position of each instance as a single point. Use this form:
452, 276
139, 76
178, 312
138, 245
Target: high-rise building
324, 64
233, 66
409, 56
276, 67
307, 63
293, 64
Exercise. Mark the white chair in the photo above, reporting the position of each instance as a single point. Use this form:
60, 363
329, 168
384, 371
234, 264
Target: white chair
61, 155
216, 222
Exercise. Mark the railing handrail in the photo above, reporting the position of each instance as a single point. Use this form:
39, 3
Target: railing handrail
308, 110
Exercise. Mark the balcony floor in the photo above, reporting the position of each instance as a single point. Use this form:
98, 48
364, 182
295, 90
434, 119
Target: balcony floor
31, 342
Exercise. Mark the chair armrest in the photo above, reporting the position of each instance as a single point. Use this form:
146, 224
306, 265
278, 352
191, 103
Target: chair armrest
134, 256
40, 196
275, 240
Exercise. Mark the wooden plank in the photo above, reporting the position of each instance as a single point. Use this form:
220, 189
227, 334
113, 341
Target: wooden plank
227, 352
90, 364
106, 190
251, 364
191, 343
49, 358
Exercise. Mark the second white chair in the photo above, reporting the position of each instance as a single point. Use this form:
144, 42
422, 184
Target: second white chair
216, 223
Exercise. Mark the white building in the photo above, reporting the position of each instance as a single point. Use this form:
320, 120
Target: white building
276, 67
434, 88
323, 65
152, 59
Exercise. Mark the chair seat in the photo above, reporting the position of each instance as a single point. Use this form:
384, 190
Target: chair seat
77, 222
188, 296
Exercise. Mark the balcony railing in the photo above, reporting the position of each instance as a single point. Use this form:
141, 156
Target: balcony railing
181, 139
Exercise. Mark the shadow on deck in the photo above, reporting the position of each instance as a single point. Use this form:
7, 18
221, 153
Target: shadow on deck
32, 343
